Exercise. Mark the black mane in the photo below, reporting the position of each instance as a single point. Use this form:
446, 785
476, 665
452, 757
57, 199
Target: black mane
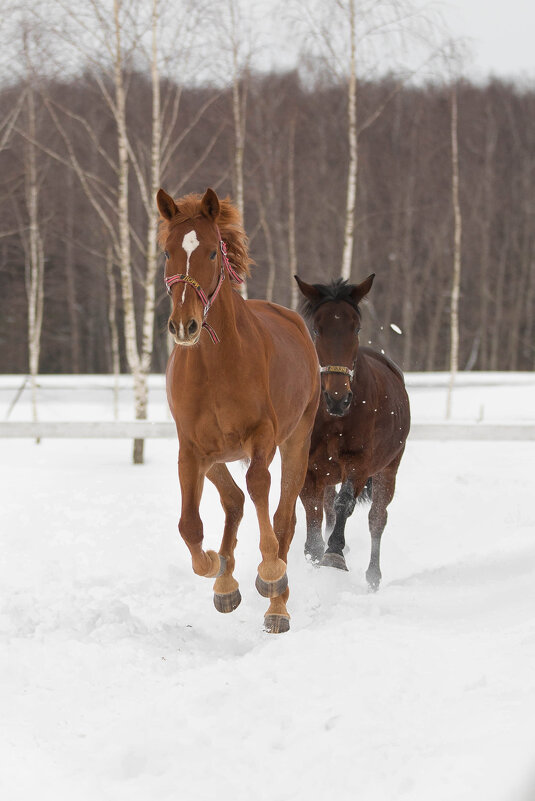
337, 290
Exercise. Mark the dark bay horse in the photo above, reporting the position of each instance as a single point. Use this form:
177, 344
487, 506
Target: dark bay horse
242, 380
361, 426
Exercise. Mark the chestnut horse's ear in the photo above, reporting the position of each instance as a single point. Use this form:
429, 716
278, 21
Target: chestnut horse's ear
361, 290
166, 205
310, 292
210, 205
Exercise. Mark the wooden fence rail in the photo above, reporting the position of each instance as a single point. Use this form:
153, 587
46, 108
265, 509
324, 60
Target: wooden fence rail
142, 429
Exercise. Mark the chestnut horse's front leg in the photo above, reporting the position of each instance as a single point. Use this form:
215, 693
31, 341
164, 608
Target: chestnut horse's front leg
191, 477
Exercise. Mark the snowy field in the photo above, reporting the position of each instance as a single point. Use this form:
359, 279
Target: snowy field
120, 681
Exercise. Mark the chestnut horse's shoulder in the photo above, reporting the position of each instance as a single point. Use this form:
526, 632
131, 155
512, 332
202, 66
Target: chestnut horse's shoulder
266, 310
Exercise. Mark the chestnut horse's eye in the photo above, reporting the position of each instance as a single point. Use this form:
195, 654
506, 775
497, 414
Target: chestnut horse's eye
166, 254
213, 254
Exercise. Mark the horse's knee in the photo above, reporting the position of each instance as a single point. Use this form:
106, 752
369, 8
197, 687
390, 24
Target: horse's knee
345, 501
190, 528
233, 506
377, 519
258, 480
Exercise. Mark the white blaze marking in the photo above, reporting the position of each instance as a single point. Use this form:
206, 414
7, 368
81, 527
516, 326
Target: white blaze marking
189, 243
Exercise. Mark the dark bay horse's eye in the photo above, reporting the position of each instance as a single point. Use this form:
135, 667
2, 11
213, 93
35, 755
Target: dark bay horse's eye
357, 331
213, 254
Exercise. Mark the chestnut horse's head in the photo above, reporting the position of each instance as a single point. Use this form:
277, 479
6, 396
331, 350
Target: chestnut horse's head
193, 267
334, 315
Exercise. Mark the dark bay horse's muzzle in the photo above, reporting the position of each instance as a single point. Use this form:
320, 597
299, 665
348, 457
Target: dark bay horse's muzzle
337, 407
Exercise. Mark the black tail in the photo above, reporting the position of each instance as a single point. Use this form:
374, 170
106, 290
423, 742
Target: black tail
366, 494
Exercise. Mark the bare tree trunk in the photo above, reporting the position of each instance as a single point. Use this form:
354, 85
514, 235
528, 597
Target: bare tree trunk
70, 283
35, 259
114, 334
456, 283
351, 194
239, 103
294, 292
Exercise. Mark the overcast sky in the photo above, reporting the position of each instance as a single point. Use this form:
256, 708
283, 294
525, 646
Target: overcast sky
500, 35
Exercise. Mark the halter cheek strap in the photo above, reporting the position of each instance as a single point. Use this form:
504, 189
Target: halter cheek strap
336, 368
205, 300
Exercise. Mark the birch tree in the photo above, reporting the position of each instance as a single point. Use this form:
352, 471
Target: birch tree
352, 39
115, 35
457, 234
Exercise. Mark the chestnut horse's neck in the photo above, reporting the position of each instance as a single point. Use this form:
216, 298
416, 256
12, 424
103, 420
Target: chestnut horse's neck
223, 318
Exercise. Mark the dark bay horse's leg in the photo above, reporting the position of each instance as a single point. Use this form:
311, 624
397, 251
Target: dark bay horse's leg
344, 505
384, 485
226, 593
191, 477
328, 505
312, 499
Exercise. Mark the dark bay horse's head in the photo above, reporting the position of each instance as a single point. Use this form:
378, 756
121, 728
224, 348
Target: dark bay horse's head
193, 267
334, 315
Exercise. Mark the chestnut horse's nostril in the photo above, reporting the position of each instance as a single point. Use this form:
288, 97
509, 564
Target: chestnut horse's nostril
347, 400
192, 328
172, 329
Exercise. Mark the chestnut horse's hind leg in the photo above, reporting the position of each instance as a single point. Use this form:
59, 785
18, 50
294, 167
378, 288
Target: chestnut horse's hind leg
344, 505
271, 579
383, 487
226, 593
294, 459
191, 476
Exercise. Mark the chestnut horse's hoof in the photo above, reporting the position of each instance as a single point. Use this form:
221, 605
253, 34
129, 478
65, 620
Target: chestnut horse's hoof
228, 601
270, 589
276, 624
333, 560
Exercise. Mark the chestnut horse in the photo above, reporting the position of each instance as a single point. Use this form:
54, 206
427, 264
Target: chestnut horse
361, 425
242, 380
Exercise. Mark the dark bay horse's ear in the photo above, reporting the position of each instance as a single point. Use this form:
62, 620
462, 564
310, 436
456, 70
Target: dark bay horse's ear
210, 205
361, 290
310, 292
166, 205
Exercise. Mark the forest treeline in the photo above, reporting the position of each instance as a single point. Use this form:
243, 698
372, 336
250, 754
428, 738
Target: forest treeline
295, 174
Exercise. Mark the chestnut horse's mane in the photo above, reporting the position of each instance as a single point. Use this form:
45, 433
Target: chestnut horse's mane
230, 226
337, 290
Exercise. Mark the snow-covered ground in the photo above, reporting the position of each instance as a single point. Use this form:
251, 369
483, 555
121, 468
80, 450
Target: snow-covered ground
119, 680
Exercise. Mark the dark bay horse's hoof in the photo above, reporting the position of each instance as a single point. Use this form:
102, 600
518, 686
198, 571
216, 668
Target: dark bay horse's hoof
228, 601
314, 552
333, 560
276, 624
270, 589
373, 577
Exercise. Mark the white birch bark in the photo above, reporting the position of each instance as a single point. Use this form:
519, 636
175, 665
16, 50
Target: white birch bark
114, 334
457, 232
239, 101
35, 260
351, 193
294, 292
